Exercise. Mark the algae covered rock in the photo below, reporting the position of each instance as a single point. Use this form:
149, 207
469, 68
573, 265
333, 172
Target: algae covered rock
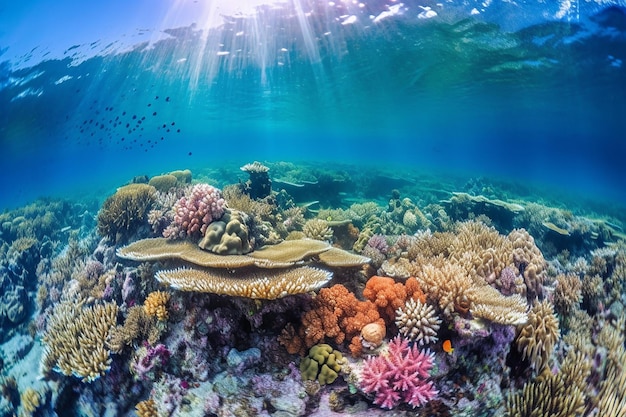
323, 364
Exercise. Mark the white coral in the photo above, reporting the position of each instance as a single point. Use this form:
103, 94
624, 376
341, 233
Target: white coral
418, 321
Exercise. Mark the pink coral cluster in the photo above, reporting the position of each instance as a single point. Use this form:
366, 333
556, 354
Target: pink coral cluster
194, 212
400, 375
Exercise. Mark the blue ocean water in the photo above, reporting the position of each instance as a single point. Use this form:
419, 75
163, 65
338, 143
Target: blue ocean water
531, 92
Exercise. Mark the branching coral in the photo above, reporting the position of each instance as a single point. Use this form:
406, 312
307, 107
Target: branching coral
125, 210
155, 305
75, 340
318, 229
389, 295
399, 375
554, 395
336, 315
567, 293
537, 338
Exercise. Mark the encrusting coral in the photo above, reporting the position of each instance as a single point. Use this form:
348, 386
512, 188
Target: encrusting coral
538, 337
75, 340
228, 235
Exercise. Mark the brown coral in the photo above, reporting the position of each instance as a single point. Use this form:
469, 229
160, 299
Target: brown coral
567, 293
125, 210
536, 340
268, 284
75, 339
156, 305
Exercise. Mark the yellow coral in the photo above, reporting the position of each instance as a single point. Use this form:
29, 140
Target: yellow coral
30, 400
155, 305
75, 339
538, 337
146, 408
318, 229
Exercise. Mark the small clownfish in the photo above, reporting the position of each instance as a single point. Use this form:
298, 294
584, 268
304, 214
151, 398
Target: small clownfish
447, 346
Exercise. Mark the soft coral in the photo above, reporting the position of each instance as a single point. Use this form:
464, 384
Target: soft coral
399, 375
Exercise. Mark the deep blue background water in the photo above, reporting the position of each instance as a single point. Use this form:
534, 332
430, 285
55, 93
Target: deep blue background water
506, 91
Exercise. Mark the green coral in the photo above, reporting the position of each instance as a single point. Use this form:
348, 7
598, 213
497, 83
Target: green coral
323, 363
229, 235
125, 210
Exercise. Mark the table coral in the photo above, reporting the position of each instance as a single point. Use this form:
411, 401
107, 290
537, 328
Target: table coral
399, 375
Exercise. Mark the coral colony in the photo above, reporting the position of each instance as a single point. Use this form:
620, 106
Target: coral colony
180, 298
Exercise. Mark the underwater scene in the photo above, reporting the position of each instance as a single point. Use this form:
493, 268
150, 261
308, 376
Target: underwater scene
313, 208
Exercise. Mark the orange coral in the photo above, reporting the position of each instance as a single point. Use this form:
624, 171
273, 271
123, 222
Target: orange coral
336, 315
389, 295
155, 305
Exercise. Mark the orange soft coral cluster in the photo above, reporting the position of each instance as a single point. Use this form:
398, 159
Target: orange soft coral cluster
389, 295
336, 316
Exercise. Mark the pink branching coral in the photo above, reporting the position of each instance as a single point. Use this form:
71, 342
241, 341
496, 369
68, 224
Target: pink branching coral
195, 211
399, 375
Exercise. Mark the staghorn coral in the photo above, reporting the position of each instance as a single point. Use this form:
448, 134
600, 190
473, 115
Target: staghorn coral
146, 408
537, 338
155, 305
125, 210
193, 212
389, 295
137, 326
30, 401
567, 293
323, 363
418, 321
269, 284
318, 229
75, 339
399, 375
450, 287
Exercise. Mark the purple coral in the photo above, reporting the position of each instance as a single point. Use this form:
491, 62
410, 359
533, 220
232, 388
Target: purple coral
400, 375
193, 213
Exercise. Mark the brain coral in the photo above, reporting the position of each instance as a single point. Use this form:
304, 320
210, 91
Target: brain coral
229, 235
125, 210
